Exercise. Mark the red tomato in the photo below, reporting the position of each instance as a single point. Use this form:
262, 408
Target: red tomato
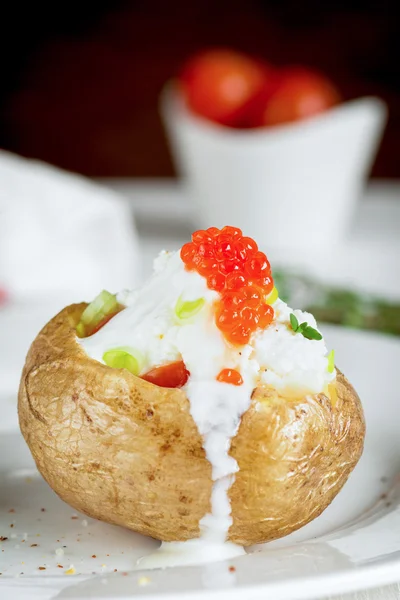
218, 84
3, 296
173, 375
296, 93
103, 322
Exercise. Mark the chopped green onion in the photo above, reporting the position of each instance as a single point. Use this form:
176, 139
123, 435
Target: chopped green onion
272, 297
102, 305
187, 310
81, 330
120, 358
331, 361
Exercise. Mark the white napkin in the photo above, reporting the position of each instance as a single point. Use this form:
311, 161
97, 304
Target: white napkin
62, 240
61, 235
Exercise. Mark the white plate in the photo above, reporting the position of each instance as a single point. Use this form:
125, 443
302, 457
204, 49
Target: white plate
355, 543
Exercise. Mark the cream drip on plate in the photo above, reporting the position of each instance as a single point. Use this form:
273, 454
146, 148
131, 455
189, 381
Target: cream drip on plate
274, 356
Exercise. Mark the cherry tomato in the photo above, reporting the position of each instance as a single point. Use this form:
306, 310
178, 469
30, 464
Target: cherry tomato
173, 375
3, 296
218, 84
103, 322
296, 93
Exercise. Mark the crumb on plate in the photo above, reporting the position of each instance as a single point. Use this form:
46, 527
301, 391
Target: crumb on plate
71, 570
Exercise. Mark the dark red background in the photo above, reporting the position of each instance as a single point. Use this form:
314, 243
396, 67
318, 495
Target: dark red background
80, 82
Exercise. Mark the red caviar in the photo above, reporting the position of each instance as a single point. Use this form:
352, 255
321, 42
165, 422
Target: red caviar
233, 266
230, 376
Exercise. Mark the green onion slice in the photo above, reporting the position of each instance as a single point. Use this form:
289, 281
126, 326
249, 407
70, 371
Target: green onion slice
272, 297
124, 358
80, 330
331, 361
187, 310
104, 304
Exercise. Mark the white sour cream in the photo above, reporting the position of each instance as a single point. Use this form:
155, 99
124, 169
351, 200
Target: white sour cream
275, 356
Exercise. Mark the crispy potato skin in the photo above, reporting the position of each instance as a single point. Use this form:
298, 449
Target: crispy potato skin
127, 452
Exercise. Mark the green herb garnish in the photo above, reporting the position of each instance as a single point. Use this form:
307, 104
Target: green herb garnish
310, 333
294, 322
306, 330
331, 361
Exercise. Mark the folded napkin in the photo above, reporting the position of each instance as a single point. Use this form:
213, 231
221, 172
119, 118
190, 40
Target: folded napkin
61, 236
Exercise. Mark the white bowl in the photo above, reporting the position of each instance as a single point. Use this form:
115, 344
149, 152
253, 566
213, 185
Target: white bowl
292, 185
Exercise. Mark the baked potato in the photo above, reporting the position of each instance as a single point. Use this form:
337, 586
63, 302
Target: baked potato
128, 452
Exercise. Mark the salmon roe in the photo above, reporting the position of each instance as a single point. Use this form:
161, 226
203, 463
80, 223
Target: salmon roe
234, 267
230, 376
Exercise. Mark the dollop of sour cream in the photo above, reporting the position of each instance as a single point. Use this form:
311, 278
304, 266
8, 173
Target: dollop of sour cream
275, 356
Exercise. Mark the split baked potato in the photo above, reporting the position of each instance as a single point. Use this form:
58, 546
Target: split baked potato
127, 452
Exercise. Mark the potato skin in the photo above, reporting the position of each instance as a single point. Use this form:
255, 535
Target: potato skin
127, 452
